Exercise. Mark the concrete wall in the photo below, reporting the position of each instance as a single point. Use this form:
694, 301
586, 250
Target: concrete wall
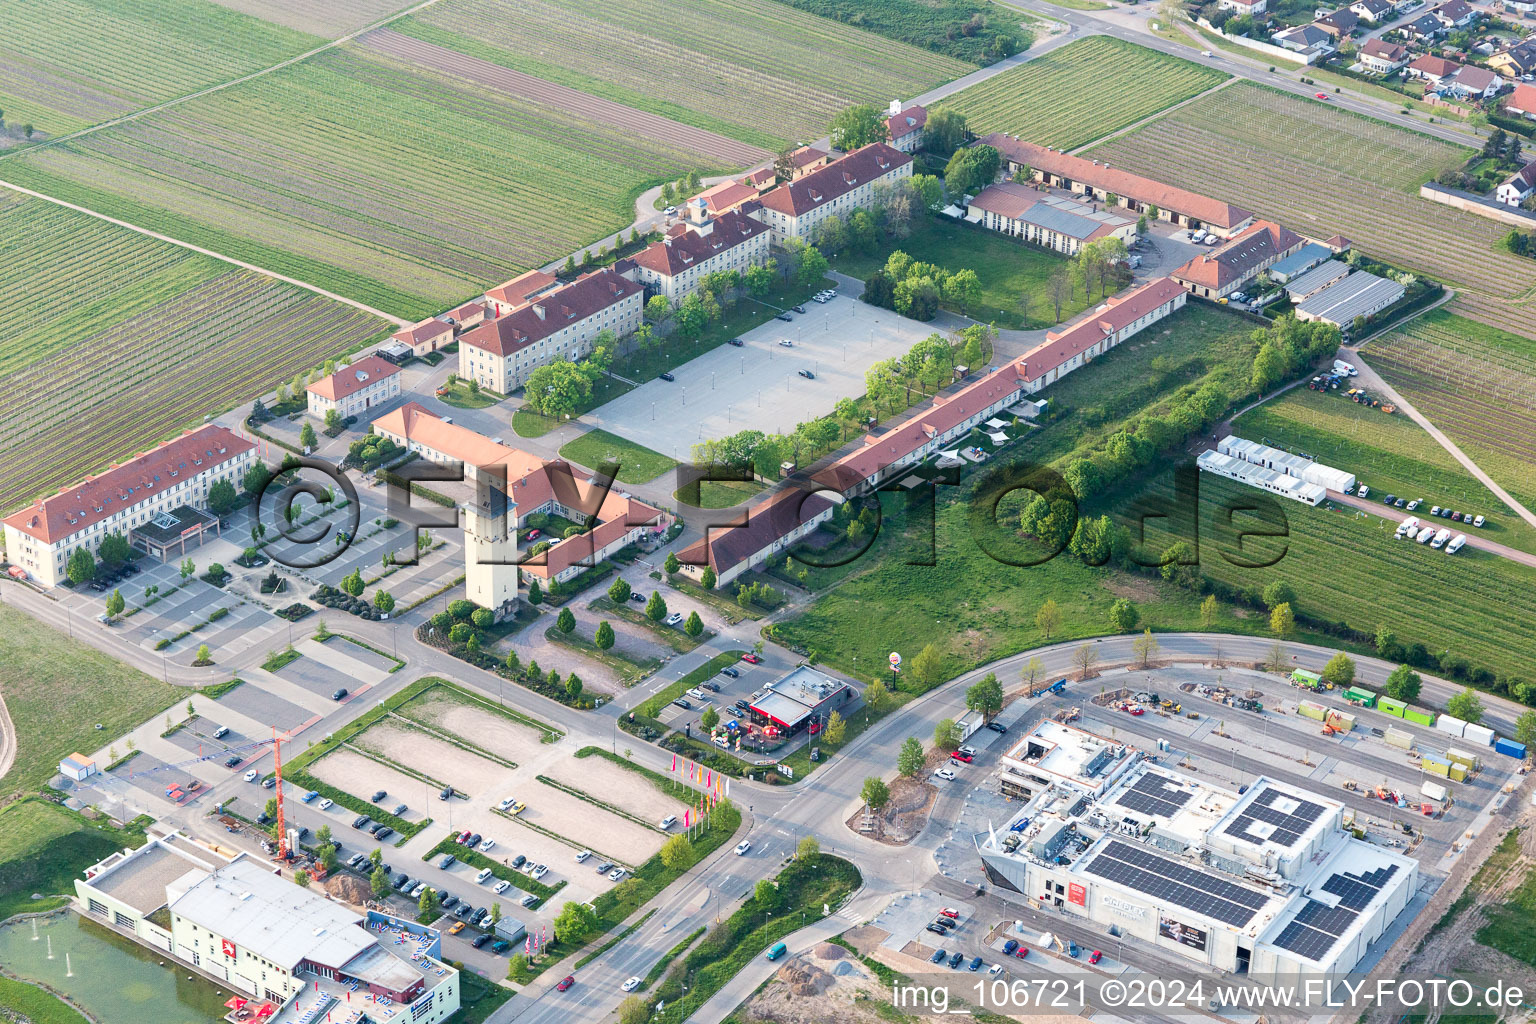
1476, 204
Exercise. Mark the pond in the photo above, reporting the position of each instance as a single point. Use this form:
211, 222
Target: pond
115, 980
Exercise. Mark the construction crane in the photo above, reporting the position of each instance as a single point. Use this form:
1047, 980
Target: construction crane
283, 853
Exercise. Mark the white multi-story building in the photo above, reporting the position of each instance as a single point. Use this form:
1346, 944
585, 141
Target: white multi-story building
794, 209
676, 265
41, 537
353, 390
1048, 220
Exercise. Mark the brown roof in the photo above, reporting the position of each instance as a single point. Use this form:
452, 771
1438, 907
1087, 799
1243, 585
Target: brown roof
1342, 20
1006, 199
424, 331
1434, 67
1453, 10
686, 246
351, 379
806, 155
908, 121
470, 312
1522, 99
725, 196
760, 177
1122, 183
1386, 51
1524, 178
617, 516
550, 312
836, 179
1474, 78
1235, 259
104, 495
724, 547
1119, 312
517, 291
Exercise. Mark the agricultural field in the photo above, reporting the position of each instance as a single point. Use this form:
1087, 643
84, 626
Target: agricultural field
69, 64
1476, 383
376, 179
933, 25
1355, 176
1027, 100
1392, 454
330, 19
184, 335
758, 71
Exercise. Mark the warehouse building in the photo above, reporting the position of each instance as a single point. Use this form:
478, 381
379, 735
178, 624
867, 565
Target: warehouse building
1356, 296
1299, 262
1300, 466
1265, 881
1316, 279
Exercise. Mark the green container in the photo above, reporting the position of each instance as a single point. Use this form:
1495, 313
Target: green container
1307, 680
1365, 697
1391, 707
1413, 714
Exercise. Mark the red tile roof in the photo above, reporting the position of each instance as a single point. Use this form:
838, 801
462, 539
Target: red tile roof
1121, 183
550, 312
1522, 99
725, 547
908, 121
425, 331
470, 313
686, 246
351, 379
1386, 51
1434, 67
102, 496
838, 178
517, 291
1235, 258
725, 196
1119, 312
806, 155
618, 515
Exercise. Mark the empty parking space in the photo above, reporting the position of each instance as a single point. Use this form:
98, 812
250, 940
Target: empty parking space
260, 706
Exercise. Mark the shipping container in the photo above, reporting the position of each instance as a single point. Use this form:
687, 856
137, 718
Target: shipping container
1306, 680
1365, 697
1509, 748
1311, 709
1399, 738
1458, 772
1433, 765
1434, 791
1422, 717
1479, 735
1390, 706
1450, 726
1462, 757
1340, 720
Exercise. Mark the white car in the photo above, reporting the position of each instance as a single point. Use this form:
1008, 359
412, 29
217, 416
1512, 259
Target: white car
251, 775
583, 855
487, 845
508, 802
1479, 521
539, 871
944, 773
416, 892
674, 618
967, 751
1205, 53
742, 847
995, 969
615, 874
325, 803
668, 822
501, 887
630, 985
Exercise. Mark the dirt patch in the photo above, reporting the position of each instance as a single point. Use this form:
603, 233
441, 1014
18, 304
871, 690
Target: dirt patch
587, 825
348, 888
466, 772
617, 786
1133, 588
812, 989
353, 773
904, 818
485, 728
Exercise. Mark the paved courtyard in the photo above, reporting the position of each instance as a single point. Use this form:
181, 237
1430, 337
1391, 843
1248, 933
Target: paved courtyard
758, 386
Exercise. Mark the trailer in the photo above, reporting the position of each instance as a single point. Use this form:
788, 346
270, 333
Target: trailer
1434, 791
1458, 772
1341, 721
1312, 709
1479, 735
1509, 748
1450, 726
1399, 738
1433, 765
1309, 680
1419, 716
1395, 708
1365, 698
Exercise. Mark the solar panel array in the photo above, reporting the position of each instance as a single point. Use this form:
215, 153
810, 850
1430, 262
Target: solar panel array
1154, 794
1170, 882
1287, 826
1318, 926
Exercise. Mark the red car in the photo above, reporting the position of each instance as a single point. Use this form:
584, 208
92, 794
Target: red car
958, 756
532, 535
1021, 952
751, 659
565, 983
1095, 957
951, 913
1322, 95
1137, 710
464, 836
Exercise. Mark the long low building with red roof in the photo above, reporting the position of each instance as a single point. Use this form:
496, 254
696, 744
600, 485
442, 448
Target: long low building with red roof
763, 531
1240, 259
153, 486
679, 263
1100, 180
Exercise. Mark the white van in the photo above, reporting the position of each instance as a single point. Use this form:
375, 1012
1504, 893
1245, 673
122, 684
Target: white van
668, 822
1457, 544
482, 876
1440, 539
1426, 535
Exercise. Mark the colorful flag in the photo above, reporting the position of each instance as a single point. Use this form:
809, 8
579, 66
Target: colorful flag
709, 778
685, 818
674, 763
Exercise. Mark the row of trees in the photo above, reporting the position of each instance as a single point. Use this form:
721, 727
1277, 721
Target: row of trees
916, 289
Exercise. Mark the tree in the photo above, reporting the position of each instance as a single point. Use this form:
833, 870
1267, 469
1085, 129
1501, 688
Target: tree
1277, 593
618, 591
1059, 290
115, 604
946, 734
573, 686
604, 637
428, 907
910, 758
658, 308
1466, 705
1123, 615
81, 567
1208, 610
709, 719
301, 878
677, 853
945, 131
707, 578
1340, 670
656, 608
694, 625
379, 881
352, 583
1031, 672
1525, 729
634, 1011
271, 808
565, 621
928, 666
765, 894
333, 419
875, 793
971, 169
807, 849
204, 655
1048, 618
1282, 621
858, 126
1085, 657
222, 498
575, 920
813, 266
875, 696
495, 914
671, 565
836, 729
535, 594
1145, 647
1403, 684
557, 389
307, 439
985, 696
963, 288
384, 601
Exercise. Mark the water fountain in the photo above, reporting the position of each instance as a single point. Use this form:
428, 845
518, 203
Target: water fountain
50, 947
69, 970
34, 929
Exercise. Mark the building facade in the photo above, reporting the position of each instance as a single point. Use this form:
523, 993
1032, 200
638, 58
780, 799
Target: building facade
906, 126
353, 390
1231, 265
1050, 221
796, 208
426, 336
677, 265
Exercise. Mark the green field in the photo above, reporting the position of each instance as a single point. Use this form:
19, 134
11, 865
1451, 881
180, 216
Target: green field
185, 336
1477, 383
1390, 453
720, 493
757, 70
43, 847
36, 1005
637, 464
379, 180
57, 691
1081, 92
67, 64
1007, 268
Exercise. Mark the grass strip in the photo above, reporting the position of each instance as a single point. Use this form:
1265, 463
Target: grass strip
672, 954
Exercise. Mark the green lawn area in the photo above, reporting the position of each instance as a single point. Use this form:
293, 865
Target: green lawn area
637, 464
1007, 267
33, 1004
719, 493
44, 846
57, 691
1081, 5
478, 998
1078, 93
460, 396
526, 423
1390, 453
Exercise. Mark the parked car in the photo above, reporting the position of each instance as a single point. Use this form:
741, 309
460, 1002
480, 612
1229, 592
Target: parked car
1479, 521
728, 671
480, 940
251, 775
939, 956
1010, 946
380, 795
325, 804
340, 694
448, 861
458, 926
605, 867
505, 803
268, 783
737, 342
583, 855
944, 922
501, 887
399, 809
1095, 956
936, 929
616, 874
751, 659
519, 861
674, 618
682, 703
639, 598
785, 317
997, 727
664, 375
798, 309
955, 960
945, 774
961, 755
807, 374
487, 846
974, 964
949, 912
539, 871
232, 761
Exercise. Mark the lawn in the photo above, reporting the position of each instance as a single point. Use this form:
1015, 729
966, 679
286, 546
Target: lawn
33, 1004
140, 52
636, 463
44, 846
1007, 268
460, 396
719, 493
1390, 453
759, 71
1078, 93
303, 171
1511, 924
185, 335
57, 691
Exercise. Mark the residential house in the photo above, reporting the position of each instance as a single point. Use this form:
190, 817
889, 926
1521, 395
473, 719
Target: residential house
355, 389
1423, 29
1234, 263
724, 197
1515, 61
1432, 70
176, 475
807, 159
1454, 14
1381, 57
471, 314
1470, 82
1339, 24
1371, 10
427, 336
1048, 220
1310, 41
690, 252
1254, 8
906, 126
1522, 101
1098, 180
1519, 187
796, 208
551, 323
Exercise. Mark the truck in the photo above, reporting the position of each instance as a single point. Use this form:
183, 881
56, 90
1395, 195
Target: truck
1440, 538
1345, 369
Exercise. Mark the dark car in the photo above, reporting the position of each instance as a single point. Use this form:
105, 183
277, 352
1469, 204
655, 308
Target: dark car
944, 922
682, 703
955, 960
997, 727
1010, 946
937, 930
500, 946
400, 880
974, 964
711, 687
743, 705
383, 833
785, 317
807, 374
480, 940
1400, 503
375, 828
474, 841
262, 819
340, 694
480, 912
938, 956
798, 309
738, 343
605, 867
666, 376
446, 900
360, 821
1389, 499
232, 761
637, 597
519, 861
380, 795
728, 671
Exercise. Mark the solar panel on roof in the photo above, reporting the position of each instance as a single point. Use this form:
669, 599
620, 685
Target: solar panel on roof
1175, 883
1276, 817
1318, 926
1154, 794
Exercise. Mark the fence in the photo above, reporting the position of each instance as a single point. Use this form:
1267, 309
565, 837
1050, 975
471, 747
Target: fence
1493, 210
